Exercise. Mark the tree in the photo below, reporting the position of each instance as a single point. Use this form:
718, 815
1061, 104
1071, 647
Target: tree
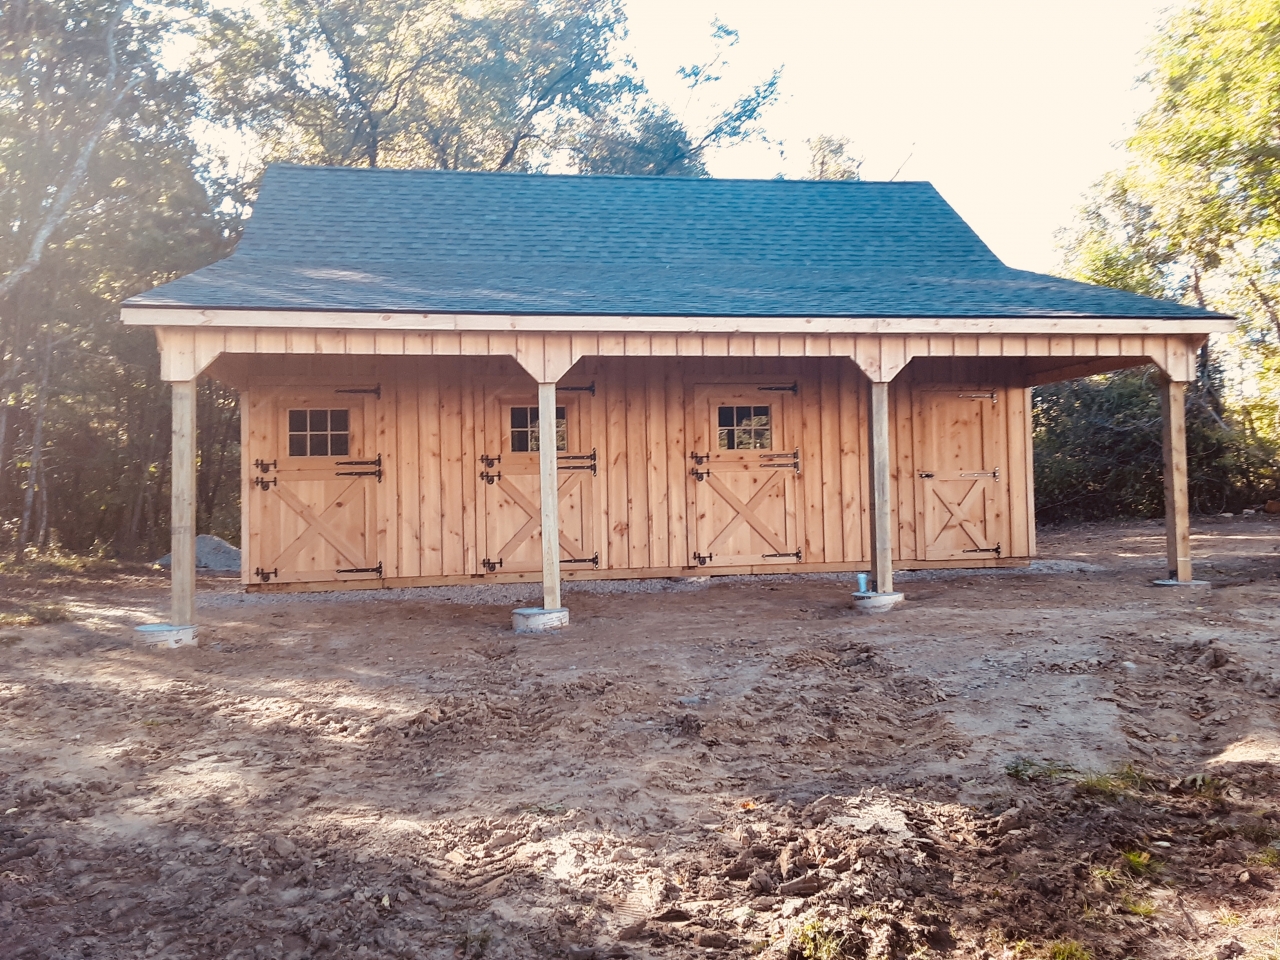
829, 159
1195, 214
495, 85
102, 198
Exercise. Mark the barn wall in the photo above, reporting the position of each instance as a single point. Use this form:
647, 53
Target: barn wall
435, 418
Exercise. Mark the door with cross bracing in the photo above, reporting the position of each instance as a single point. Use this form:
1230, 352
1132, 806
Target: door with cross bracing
961, 509
744, 475
313, 485
510, 486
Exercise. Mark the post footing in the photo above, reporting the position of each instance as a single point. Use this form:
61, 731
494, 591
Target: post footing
165, 636
871, 602
539, 620
1185, 584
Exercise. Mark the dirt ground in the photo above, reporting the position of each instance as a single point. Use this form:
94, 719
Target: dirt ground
1063, 762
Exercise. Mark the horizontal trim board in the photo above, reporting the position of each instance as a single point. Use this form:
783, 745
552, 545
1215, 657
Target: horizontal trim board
339, 320
651, 573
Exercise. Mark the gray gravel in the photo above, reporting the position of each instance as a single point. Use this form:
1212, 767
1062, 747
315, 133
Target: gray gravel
515, 594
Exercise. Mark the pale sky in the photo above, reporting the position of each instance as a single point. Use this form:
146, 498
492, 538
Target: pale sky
1012, 108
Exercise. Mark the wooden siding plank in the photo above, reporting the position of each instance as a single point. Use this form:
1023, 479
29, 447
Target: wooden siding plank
637, 471
810, 487
409, 521
829, 412
453, 499
851, 526
431, 492
677, 476
1015, 413
617, 520
388, 517
656, 456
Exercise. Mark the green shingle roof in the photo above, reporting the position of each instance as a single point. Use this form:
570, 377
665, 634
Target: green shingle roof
426, 241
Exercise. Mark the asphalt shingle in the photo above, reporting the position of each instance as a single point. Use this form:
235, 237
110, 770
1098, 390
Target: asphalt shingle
333, 239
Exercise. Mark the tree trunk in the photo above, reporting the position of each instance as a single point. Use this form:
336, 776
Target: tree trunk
33, 469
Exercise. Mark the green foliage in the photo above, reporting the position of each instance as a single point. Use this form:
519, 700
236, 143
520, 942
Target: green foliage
1099, 454
1068, 950
1194, 215
1139, 863
815, 940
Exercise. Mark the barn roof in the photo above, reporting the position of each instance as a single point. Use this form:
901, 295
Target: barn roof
343, 239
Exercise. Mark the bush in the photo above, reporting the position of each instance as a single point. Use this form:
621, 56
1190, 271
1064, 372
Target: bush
1098, 451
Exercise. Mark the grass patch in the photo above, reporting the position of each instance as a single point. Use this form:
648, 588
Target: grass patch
1068, 950
816, 941
1138, 907
33, 614
1227, 918
1125, 781
1139, 863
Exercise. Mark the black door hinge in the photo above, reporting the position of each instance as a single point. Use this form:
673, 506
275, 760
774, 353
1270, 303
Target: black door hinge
791, 459
794, 389
594, 561
779, 556
376, 391
589, 388
376, 462
995, 550
377, 569
588, 461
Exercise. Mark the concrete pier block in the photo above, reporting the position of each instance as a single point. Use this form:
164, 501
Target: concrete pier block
1185, 584
538, 619
869, 602
165, 635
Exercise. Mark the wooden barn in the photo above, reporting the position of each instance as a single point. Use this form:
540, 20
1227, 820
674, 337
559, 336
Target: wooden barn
680, 376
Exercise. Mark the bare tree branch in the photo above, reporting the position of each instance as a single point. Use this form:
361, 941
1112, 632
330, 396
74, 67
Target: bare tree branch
58, 210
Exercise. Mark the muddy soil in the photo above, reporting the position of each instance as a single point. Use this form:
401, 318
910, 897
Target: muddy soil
1060, 762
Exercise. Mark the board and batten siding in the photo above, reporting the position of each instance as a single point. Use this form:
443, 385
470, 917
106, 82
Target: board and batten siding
436, 417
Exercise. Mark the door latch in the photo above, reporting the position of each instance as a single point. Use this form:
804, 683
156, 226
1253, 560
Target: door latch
266, 575
490, 479
263, 483
264, 466
700, 475
924, 476
490, 462
491, 565
702, 558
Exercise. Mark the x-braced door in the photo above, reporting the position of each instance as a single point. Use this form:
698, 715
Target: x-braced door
744, 470
511, 487
314, 488
959, 451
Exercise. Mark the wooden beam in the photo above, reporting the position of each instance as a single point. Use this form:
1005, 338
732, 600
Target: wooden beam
550, 496
947, 326
1177, 523
882, 533
182, 519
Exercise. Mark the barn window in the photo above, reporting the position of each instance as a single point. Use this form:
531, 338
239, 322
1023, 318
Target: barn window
524, 430
745, 428
319, 433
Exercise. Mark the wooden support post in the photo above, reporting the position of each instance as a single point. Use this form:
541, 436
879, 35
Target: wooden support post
550, 486
1177, 523
182, 519
881, 491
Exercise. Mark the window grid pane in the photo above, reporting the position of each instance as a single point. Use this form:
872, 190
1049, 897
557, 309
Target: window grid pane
524, 430
319, 433
744, 428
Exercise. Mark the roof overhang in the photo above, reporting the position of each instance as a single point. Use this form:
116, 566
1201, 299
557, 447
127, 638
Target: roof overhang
528, 323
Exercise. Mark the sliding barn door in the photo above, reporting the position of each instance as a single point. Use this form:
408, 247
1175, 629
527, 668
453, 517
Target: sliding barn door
511, 488
313, 491
744, 470
960, 492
